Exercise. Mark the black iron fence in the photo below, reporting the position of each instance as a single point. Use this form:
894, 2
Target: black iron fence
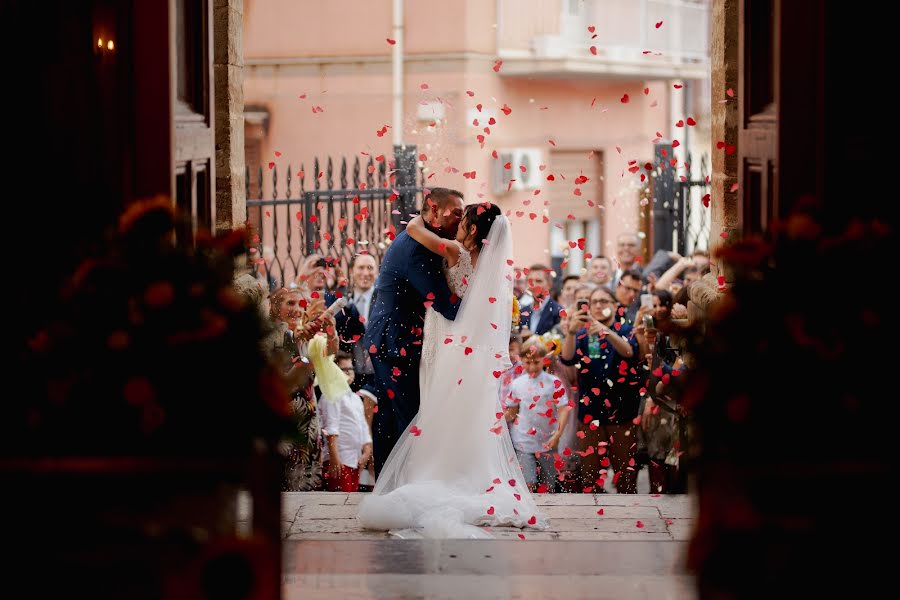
362, 214
693, 200
681, 218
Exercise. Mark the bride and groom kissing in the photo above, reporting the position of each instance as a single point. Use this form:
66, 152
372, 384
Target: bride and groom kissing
438, 333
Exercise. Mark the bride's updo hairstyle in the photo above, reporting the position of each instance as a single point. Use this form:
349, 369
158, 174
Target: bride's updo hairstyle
481, 215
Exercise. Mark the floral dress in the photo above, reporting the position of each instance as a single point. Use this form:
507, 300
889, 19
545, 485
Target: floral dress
303, 469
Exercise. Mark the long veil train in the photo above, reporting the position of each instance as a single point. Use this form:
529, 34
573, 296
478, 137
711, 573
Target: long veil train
454, 468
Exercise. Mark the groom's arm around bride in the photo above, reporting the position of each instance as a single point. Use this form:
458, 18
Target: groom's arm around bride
411, 278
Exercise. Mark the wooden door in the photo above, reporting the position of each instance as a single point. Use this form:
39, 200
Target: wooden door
192, 81
758, 125
781, 47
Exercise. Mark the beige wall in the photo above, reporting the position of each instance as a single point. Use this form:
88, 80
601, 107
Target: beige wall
356, 97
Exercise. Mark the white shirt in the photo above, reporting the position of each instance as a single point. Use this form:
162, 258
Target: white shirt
363, 302
532, 429
526, 300
362, 362
536, 313
347, 420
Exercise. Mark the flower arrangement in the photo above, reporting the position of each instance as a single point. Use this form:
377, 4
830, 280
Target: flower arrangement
516, 312
553, 343
152, 351
832, 357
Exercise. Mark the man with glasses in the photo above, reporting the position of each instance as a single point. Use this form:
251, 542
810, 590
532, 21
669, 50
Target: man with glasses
628, 292
607, 352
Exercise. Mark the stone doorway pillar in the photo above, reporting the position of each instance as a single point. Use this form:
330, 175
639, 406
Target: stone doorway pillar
725, 215
228, 67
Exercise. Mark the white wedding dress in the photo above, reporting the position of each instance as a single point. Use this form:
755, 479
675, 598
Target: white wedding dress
454, 469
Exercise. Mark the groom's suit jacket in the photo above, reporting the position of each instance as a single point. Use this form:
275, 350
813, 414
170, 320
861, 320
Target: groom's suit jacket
410, 276
409, 273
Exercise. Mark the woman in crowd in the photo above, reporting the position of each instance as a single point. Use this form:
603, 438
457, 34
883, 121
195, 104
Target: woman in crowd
294, 314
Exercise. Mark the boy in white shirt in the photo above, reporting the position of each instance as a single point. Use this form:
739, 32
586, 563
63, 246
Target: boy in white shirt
347, 435
538, 410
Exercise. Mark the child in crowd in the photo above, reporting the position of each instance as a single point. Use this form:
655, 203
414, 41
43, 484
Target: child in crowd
348, 439
515, 349
538, 411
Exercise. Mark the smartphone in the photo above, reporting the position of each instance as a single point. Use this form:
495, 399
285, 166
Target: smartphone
583, 304
646, 300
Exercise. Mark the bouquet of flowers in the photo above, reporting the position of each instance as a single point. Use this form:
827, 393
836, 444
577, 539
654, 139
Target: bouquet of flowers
152, 351
553, 343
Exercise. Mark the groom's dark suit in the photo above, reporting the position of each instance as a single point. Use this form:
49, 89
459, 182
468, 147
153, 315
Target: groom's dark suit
410, 276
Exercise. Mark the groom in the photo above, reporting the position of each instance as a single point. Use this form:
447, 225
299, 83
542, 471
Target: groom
411, 276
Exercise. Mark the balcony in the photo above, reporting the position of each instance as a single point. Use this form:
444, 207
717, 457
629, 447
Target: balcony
550, 38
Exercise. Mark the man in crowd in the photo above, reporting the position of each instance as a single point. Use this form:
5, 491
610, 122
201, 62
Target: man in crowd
628, 293
313, 277
543, 314
363, 272
567, 291
599, 271
628, 249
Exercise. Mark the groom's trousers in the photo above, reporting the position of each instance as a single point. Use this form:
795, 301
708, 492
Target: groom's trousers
396, 386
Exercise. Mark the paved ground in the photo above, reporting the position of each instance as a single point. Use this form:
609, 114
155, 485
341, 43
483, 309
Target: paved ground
332, 516
634, 549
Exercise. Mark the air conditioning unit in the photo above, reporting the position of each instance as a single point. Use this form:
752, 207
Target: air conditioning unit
523, 172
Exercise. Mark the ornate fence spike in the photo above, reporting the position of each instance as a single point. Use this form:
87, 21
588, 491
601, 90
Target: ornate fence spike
320, 220
370, 179
288, 193
317, 182
275, 182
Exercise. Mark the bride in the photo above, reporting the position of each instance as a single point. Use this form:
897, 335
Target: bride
454, 469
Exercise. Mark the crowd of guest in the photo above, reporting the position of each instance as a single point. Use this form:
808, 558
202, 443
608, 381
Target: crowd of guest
589, 400
606, 333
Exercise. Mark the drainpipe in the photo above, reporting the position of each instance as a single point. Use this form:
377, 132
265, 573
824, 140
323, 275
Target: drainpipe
397, 64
